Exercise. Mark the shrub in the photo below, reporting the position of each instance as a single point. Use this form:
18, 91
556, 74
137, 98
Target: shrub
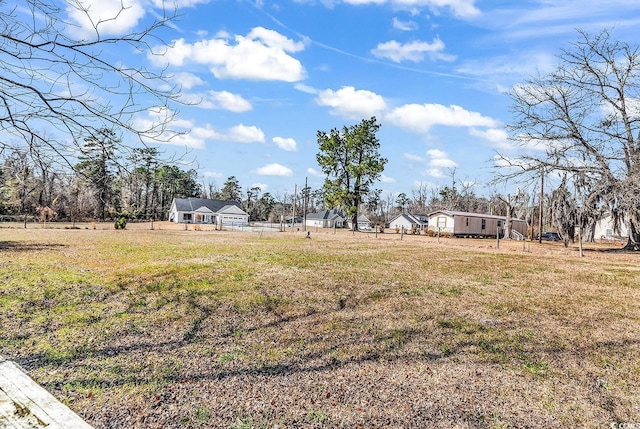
121, 223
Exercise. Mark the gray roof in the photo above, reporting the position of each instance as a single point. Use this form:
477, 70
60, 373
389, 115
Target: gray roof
361, 218
412, 219
326, 215
192, 204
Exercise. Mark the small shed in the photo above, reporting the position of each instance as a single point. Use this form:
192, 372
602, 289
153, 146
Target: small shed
462, 224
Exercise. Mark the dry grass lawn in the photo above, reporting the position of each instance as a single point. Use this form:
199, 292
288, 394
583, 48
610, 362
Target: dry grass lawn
168, 328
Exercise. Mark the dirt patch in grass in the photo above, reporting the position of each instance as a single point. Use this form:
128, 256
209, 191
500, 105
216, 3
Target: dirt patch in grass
192, 329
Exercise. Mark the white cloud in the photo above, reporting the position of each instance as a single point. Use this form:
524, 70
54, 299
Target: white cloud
242, 134
274, 170
186, 80
228, 101
439, 159
404, 25
260, 55
153, 123
461, 8
385, 179
184, 133
177, 4
305, 88
435, 172
217, 100
104, 17
496, 136
287, 144
360, 2
412, 157
196, 138
509, 69
516, 163
213, 174
412, 51
419, 118
352, 103
541, 145
314, 172
263, 186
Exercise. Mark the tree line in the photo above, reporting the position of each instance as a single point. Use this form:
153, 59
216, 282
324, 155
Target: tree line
106, 183
103, 184
579, 123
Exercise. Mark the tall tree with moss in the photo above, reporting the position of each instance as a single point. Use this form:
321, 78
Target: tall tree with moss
584, 119
350, 158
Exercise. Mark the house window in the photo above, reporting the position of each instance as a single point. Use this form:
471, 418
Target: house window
186, 217
442, 222
484, 224
499, 223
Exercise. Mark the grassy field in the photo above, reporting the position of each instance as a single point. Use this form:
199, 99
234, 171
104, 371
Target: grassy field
195, 329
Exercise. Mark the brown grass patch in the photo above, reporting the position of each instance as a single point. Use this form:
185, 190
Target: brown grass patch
172, 328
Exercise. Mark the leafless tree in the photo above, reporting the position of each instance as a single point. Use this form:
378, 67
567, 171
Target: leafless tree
583, 120
72, 84
420, 197
511, 203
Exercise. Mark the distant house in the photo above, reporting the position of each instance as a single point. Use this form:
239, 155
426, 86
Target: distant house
409, 222
364, 223
604, 230
204, 210
473, 224
289, 219
325, 219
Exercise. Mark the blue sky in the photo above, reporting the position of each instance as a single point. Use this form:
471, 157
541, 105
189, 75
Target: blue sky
436, 74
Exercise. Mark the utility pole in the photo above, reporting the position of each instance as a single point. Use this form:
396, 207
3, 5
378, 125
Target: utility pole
541, 205
306, 200
293, 217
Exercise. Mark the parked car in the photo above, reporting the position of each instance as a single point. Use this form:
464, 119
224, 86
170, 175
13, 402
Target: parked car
549, 236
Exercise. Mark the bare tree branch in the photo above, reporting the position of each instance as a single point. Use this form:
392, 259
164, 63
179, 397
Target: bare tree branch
582, 121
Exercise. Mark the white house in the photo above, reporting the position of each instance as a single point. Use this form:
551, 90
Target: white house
364, 223
325, 219
409, 222
204, 210
473, 224
604, 230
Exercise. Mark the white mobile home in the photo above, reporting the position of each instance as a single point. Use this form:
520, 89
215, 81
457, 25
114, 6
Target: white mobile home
603, 230
461, 224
